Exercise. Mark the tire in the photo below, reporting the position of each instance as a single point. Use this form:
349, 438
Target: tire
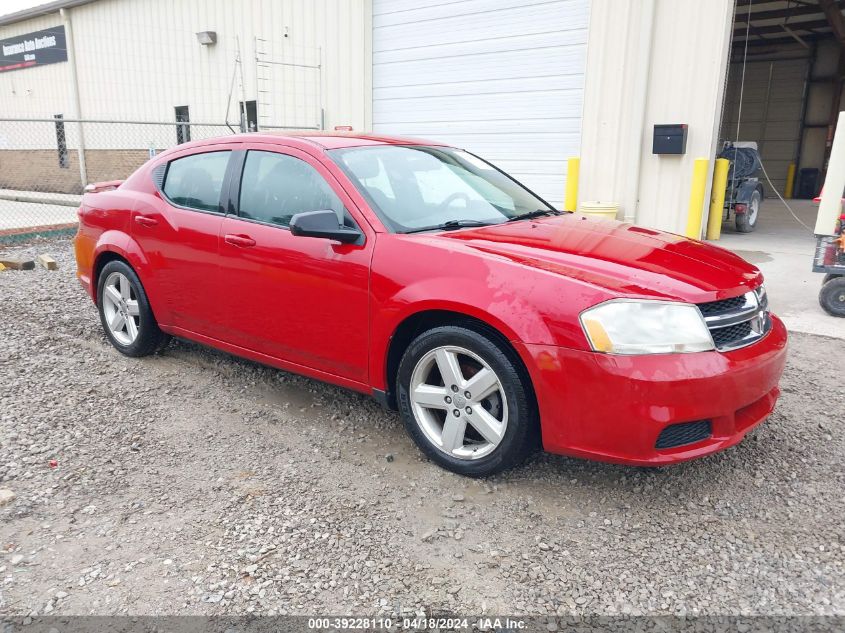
830, 276
139, 334
747, 222
832, 296
506, 412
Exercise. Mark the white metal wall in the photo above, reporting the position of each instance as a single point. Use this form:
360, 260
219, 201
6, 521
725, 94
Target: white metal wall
674, 75
138, 60
502, 78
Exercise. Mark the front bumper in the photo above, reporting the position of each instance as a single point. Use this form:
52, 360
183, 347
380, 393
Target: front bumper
613, 408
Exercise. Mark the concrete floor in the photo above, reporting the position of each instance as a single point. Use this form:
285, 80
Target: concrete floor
783, 250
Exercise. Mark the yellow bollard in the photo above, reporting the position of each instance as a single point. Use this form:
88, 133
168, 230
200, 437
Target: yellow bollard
790, 181
717, 198
573, 166
696, 198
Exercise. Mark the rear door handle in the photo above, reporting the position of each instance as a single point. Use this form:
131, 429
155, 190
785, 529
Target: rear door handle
144, 220
244, 241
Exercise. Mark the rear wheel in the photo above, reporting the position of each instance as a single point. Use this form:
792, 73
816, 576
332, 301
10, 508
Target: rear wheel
125, 311
832, 296
465, 403
746, 222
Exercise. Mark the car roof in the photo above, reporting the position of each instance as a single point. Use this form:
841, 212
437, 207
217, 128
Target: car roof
326, 140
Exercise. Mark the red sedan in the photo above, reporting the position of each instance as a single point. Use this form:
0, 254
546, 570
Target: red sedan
423, 275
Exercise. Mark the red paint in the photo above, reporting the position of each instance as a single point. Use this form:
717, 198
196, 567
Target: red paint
329, 310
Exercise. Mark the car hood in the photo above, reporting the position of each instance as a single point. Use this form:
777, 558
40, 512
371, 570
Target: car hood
620, 257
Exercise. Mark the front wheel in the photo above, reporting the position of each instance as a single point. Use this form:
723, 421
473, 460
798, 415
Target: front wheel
832, 296
465, 402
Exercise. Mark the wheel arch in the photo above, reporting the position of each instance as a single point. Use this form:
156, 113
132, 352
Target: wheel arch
418, 322
117, 245
103, 258
747, 189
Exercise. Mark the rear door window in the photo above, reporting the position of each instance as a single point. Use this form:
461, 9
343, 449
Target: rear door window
196, 181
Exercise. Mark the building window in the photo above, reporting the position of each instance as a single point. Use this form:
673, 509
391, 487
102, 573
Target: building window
183, 132
251, 122
61, 141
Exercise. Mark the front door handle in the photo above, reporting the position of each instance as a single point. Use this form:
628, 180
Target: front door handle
244, 241
144, 220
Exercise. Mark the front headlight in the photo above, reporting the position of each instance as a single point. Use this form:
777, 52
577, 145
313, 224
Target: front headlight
624, 326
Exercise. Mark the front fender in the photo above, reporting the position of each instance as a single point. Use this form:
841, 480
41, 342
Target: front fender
747, 189
410, 276
512, 318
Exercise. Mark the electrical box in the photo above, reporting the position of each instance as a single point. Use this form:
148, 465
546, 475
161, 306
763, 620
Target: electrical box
670, 139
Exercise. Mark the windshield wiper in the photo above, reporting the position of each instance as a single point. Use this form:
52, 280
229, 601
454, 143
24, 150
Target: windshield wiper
533, 214
451, 225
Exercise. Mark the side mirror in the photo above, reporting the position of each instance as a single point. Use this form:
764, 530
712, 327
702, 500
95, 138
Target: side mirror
323, 224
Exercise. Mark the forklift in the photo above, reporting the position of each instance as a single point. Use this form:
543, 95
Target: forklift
830, 260
829, 257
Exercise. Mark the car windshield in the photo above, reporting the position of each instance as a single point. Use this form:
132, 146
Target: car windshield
415, 187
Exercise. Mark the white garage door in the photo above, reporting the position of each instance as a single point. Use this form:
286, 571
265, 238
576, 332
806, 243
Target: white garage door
501, 78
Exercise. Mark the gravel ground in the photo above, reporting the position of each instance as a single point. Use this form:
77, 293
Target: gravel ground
194, 482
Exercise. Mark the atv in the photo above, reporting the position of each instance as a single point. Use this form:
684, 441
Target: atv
744, 193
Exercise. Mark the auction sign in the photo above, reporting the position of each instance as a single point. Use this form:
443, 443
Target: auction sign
33, 49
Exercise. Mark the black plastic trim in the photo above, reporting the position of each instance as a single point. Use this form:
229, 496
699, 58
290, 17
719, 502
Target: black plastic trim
158, 173
231, 183
382, 398
683, 434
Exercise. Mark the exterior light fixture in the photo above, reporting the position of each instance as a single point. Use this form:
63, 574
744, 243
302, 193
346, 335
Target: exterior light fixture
207, 38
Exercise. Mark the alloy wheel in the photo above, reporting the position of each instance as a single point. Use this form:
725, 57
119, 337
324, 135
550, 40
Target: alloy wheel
120, 308
458, 402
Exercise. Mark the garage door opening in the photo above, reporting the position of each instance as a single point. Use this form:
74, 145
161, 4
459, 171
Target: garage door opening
783, 93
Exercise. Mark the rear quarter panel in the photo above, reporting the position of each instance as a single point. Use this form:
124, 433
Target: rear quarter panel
103, 226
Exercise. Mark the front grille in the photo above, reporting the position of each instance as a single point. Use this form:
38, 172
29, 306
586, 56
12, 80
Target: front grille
738, 321
720, 307
683, 434
724, 336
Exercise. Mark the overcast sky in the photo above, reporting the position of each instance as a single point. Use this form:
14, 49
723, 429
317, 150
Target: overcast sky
11, 6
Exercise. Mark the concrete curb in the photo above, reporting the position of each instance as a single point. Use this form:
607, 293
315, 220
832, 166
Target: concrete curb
64, 202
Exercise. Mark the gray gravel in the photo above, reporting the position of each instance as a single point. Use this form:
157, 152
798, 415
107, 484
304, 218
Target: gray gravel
194, 482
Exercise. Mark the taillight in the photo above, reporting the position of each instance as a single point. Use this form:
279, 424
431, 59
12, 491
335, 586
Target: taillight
740, 208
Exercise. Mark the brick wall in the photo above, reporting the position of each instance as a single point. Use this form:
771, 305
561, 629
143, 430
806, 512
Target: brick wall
39, 170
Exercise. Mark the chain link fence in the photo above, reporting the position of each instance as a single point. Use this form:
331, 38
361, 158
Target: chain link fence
45, 164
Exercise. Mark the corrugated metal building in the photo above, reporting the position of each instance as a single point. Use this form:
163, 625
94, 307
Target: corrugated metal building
524, 83
141, 59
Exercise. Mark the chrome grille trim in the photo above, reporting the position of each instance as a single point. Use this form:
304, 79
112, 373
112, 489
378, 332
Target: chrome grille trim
734, 324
